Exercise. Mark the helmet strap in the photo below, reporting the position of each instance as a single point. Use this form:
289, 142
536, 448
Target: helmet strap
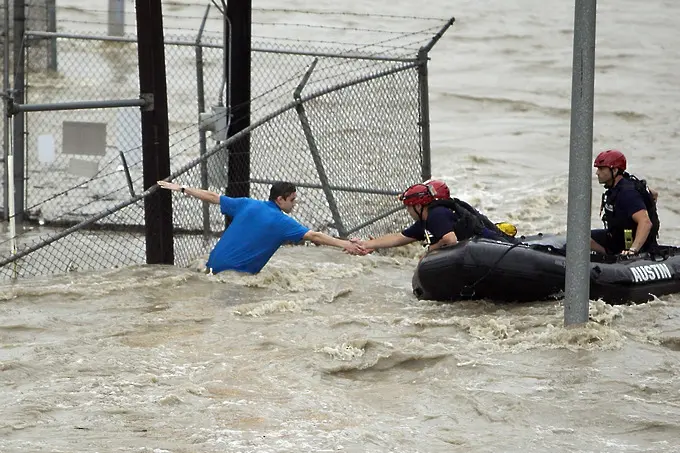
420, 213
618, 176
610, 183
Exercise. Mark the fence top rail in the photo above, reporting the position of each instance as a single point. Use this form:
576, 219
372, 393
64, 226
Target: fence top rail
188, 43
332, 186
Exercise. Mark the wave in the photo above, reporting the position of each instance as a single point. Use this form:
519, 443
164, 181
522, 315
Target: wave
283, 273
97, 284
672, 343
260, 309
513, 105
361, 355
523, 327
522, 106
628, 115
21, 328
490, 38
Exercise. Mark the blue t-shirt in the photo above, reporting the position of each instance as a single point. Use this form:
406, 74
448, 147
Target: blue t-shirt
440, 221
257, 230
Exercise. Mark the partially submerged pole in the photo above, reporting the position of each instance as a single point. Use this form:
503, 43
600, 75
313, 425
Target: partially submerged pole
238, 18
577, 278
155, 141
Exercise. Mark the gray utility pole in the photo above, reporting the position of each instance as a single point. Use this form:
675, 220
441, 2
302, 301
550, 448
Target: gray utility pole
577, 278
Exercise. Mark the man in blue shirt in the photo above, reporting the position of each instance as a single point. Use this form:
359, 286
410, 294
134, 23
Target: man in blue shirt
628, 204
258, 228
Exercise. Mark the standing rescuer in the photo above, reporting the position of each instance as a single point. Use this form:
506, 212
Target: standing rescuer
628, 209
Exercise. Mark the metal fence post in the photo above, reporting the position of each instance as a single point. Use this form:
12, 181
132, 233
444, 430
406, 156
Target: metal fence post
202, 140
424, 88
423, 84
155, 129
52, 42
239, 16
18, 97
5, 116
577, 278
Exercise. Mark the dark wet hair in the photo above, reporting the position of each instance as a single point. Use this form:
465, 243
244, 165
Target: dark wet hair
281, 189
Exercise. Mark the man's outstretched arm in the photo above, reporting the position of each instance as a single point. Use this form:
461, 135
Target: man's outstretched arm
323, 239
205, 195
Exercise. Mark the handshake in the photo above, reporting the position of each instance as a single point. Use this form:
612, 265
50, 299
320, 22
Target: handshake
357, 247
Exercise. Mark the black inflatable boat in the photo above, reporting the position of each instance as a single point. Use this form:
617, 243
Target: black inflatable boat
534, 270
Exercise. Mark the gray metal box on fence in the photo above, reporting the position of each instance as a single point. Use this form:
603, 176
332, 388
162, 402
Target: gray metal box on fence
82, 138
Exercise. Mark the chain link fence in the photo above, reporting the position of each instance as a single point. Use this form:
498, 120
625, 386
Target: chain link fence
351, 142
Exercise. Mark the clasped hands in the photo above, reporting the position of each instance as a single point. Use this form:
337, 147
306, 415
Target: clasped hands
357, 247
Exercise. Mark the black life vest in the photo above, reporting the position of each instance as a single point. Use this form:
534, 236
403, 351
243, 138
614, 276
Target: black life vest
616, 224
470, 222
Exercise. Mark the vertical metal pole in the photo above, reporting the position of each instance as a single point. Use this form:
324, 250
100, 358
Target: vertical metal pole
12, 213
426, 166
423, 57
202, 141
52, 26
155, 142
116, 17
577, 279
18, 95
219, 168
5, 116
239, 15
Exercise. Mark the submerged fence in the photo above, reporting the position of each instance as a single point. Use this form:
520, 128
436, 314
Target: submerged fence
349, 127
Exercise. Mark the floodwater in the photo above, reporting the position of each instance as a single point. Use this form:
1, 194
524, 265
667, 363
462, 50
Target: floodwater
326, 352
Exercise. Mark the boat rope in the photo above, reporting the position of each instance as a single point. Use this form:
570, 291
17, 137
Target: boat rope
468, 291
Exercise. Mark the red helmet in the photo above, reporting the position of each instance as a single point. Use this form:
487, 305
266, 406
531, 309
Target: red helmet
441, 190
417, 194
612, 159
425, 193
